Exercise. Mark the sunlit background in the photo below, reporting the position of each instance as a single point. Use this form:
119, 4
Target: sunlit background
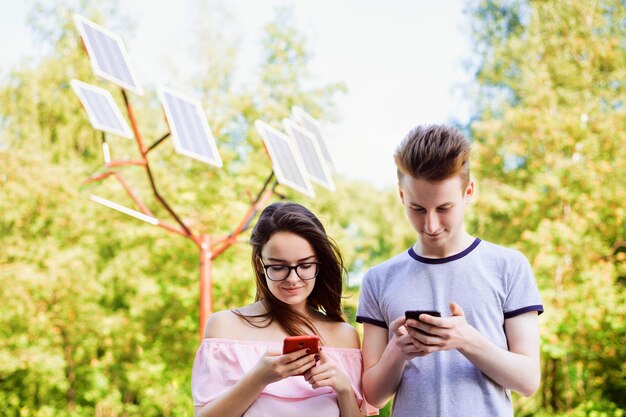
99, 311
402, 62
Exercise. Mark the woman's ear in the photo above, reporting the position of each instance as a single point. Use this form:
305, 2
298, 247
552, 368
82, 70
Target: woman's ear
258, 265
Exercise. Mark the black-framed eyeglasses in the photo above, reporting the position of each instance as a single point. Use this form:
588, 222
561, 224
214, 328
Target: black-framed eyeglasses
280, 272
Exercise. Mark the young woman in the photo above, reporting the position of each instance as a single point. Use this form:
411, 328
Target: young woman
240, 370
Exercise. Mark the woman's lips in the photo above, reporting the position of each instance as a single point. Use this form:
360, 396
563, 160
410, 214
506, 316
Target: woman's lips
292, 290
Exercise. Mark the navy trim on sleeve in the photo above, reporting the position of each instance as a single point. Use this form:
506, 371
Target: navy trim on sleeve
361, 319
436, 261
538, 308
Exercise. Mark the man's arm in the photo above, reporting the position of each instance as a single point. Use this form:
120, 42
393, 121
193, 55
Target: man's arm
384, 361
517, 368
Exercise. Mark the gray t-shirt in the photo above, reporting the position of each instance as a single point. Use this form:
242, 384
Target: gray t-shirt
490, 283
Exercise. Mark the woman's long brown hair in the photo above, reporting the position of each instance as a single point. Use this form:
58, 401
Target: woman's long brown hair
326, 294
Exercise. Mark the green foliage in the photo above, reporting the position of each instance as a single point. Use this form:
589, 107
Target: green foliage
84, 314
551, 167
100, 311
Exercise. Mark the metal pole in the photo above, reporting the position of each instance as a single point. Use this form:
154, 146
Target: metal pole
206, 287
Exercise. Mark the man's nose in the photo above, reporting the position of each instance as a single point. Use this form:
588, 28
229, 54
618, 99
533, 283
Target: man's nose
432, 223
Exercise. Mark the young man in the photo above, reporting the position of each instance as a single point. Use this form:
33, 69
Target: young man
487, 341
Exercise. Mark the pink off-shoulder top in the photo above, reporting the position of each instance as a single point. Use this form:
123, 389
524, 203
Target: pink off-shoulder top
221, 363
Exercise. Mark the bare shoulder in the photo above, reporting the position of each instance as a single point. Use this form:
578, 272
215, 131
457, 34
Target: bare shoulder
342, 335
252, 310
236, 323
221, 325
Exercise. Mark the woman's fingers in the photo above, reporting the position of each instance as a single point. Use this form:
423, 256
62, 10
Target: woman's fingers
303, 368
301, 364
323, 356
290, 357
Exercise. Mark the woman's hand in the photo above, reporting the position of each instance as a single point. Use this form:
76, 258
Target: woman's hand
275, 366
327, 374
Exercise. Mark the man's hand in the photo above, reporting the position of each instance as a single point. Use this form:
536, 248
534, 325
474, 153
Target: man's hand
444, 333
403, 339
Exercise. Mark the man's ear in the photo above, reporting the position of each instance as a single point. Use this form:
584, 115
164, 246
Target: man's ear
400, 192
469, 191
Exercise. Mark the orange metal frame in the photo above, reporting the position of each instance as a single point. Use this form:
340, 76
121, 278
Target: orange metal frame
209, 249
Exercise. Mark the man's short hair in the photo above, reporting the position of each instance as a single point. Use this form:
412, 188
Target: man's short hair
433, 153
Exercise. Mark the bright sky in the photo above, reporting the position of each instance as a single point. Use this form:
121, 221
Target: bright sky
402, 61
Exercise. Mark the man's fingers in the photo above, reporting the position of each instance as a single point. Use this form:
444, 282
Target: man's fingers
429, 323
413, 324
456, 310
396, 325
417, 327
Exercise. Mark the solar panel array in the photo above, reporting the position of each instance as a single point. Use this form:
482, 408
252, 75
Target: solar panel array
109, 58
312, 157
103, 112
190, 130
286, 161
309, 123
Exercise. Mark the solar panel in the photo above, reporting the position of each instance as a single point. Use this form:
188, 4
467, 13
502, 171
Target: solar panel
136, 214
311, 153
107, 54
286, 161
103, 112
190, 130
312, 125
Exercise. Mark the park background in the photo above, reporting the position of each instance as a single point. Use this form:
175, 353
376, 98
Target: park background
99, 312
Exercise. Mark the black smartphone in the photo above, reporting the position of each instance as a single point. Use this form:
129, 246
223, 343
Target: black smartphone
415, 314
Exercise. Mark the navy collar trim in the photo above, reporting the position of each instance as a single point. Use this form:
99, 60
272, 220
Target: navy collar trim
444, 260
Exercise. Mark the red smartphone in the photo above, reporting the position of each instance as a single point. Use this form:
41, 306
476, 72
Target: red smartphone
415, 314
294, 343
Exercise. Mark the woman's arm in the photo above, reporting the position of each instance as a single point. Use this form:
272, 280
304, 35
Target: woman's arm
235, 401
272, 367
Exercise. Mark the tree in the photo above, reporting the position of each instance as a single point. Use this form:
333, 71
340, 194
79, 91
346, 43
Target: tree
551, 167
100, 311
